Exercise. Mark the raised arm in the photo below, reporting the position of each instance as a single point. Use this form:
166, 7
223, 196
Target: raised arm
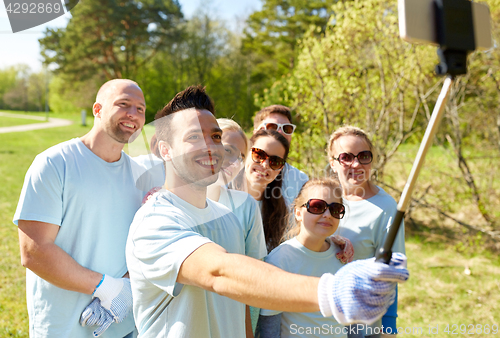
359, 292
40, 254
248, 280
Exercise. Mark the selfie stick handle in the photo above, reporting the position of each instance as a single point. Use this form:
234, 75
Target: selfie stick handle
385, 253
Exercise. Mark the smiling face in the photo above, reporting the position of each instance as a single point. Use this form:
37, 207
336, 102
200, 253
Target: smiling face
120, 110
196, 153
316, 228
259, 175
234, 156
356, 175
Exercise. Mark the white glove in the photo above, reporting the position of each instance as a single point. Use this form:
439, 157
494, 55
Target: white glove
95, 314
115, 295
362, 291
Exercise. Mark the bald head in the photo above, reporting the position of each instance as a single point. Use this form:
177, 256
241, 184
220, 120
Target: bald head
114, 86
119, 110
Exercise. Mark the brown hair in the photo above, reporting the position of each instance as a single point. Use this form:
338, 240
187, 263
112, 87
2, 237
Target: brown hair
345, 131
274, 209
302, 198
274, 109
191, 97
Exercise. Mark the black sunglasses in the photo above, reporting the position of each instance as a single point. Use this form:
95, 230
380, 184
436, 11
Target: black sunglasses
364, 157
275, 162
316, 206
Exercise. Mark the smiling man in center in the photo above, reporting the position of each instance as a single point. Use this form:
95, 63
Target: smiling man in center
185, 253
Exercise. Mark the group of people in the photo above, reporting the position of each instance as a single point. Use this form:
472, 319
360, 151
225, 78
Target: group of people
230, 240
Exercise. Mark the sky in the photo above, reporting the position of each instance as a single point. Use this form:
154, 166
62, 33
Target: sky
23, 47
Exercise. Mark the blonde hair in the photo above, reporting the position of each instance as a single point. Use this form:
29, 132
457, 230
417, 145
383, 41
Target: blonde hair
346, 131
231, 125
302, 198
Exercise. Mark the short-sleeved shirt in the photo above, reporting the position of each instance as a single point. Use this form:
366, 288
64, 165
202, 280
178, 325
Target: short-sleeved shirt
294, 179
294, 257
165, 231
248, 213
93, 202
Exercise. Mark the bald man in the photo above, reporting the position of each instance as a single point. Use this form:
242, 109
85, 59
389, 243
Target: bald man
76, 205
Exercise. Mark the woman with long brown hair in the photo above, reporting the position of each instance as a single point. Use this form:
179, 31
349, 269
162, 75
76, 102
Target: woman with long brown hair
263, 179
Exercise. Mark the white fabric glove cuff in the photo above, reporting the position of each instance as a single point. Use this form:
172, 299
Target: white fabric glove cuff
108, 290
325, 294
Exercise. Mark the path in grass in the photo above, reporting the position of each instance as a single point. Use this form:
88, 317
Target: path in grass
53, 122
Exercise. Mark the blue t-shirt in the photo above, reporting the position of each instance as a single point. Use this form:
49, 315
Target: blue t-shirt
294, 257
93, 202
165, 231
294, 179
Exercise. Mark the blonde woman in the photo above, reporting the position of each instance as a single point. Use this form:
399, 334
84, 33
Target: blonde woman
369, 208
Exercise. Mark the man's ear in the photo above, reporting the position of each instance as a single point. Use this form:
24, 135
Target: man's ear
96, 109
164, 150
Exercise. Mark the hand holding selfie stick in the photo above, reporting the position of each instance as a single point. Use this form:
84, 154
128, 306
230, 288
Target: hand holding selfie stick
455, 33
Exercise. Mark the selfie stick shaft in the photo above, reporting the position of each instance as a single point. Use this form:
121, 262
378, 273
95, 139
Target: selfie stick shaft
385, 253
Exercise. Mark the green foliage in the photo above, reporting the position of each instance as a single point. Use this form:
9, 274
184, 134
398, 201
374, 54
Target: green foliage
359, 72
7, 82
272, 35
22, 89
112, 38
209, 54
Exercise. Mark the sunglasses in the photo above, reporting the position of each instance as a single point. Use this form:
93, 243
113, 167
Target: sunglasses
287, 128
317, 207
259, 156
364, 157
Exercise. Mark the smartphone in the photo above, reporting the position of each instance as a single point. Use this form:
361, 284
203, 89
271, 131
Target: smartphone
417, 23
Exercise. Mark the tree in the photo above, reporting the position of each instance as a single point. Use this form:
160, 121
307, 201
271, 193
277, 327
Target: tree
8, 80
26, 90
360, 72
111, 37
273, 33
208, 54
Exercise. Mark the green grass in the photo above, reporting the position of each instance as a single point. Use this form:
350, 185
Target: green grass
11, 121
17, 151
445, 185
438, 293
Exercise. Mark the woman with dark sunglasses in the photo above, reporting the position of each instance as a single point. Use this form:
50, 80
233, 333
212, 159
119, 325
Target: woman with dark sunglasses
370, 208
308, 250
263, 178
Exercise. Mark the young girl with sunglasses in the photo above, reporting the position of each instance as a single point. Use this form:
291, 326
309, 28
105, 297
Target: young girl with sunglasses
317, 211
370, 208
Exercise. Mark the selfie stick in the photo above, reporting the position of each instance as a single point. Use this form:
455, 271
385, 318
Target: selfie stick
455, 44
385, 253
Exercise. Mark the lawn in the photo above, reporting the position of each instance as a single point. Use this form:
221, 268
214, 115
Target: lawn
10, 121
450, 283
17, 151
